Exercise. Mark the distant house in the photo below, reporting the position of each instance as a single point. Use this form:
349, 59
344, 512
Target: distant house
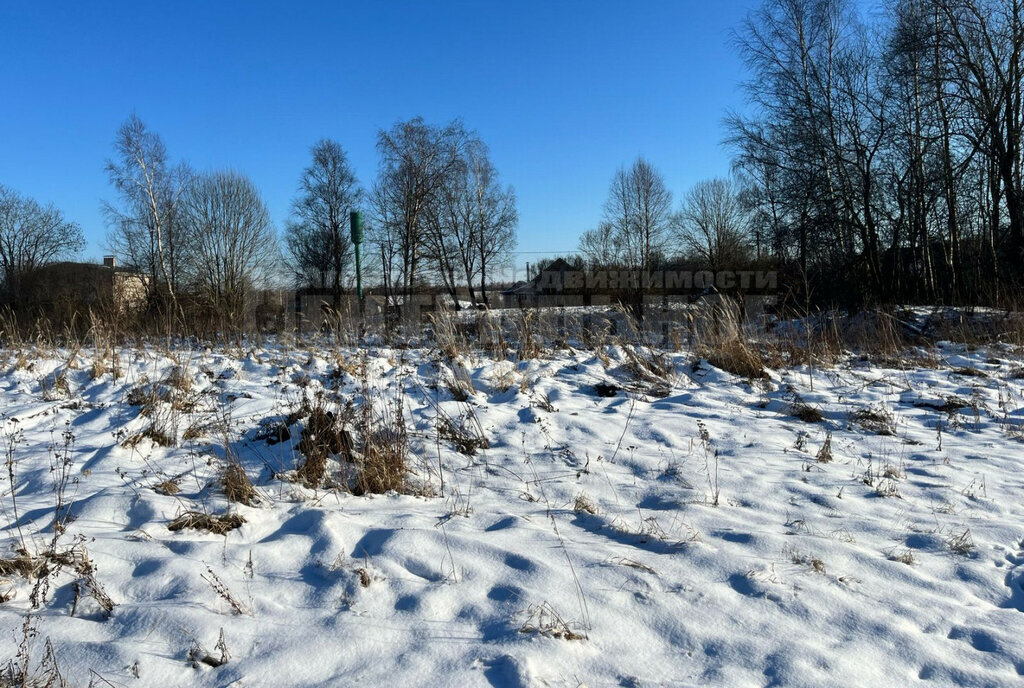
519, 295
551, 286
67, 288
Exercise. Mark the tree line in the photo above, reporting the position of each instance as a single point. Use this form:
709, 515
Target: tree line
882, 155
436, 214
711, 229
880, 160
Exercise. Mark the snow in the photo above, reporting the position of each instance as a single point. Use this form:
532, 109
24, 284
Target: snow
899, 561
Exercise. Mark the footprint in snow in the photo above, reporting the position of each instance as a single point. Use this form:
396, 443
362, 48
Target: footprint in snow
1015, 578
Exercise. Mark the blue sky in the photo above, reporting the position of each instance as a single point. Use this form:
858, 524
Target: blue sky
562, 92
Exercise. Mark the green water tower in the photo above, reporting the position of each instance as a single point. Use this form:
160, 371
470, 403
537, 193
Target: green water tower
355, 220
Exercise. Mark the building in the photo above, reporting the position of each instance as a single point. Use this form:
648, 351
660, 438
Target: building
552, 286
67, 288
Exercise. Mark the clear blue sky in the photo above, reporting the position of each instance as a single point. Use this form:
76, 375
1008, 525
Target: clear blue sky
563, 92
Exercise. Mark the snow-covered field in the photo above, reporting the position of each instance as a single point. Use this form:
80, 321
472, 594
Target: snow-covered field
709, 536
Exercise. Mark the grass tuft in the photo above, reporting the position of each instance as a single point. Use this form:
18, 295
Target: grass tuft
877, 419
218, 524
543, 620
825, 453
737, 357
807, 413
237, 486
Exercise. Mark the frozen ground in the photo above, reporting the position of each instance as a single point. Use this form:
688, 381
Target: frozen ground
626, 540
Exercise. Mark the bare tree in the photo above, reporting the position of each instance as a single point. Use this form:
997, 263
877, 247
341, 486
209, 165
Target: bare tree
31, 235
317, 237
146, 230
639, 209
416, 158
471, 224
491, 213
633, 232
985, 48
600, 246
235, 248
888, 155
713, 224
637, 216
447, 247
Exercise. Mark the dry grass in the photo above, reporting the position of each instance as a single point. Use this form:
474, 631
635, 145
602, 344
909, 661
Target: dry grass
529, 340
583, 505
825, 453
194, 431
99, 367
544, 620
324, 435
887, 487
806, 412
634, 564
224, 592
19, 674
22, 565
198, 655
369, 440
651, 368
157, 432
736, 357
876, 333
383, 464
50, 563
878, 419
167, 487
967, 371
237, 486
56, 386
468, 439
179, 379
961, 544
904, 557
490, 336
813, 563
949, 405
458, 382
719, 336
449, 335
218, 524
153, 398
146, 395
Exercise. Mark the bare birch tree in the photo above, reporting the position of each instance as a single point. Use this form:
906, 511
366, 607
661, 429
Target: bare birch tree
145, 227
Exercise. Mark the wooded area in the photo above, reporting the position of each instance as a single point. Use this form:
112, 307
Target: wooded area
879, 161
